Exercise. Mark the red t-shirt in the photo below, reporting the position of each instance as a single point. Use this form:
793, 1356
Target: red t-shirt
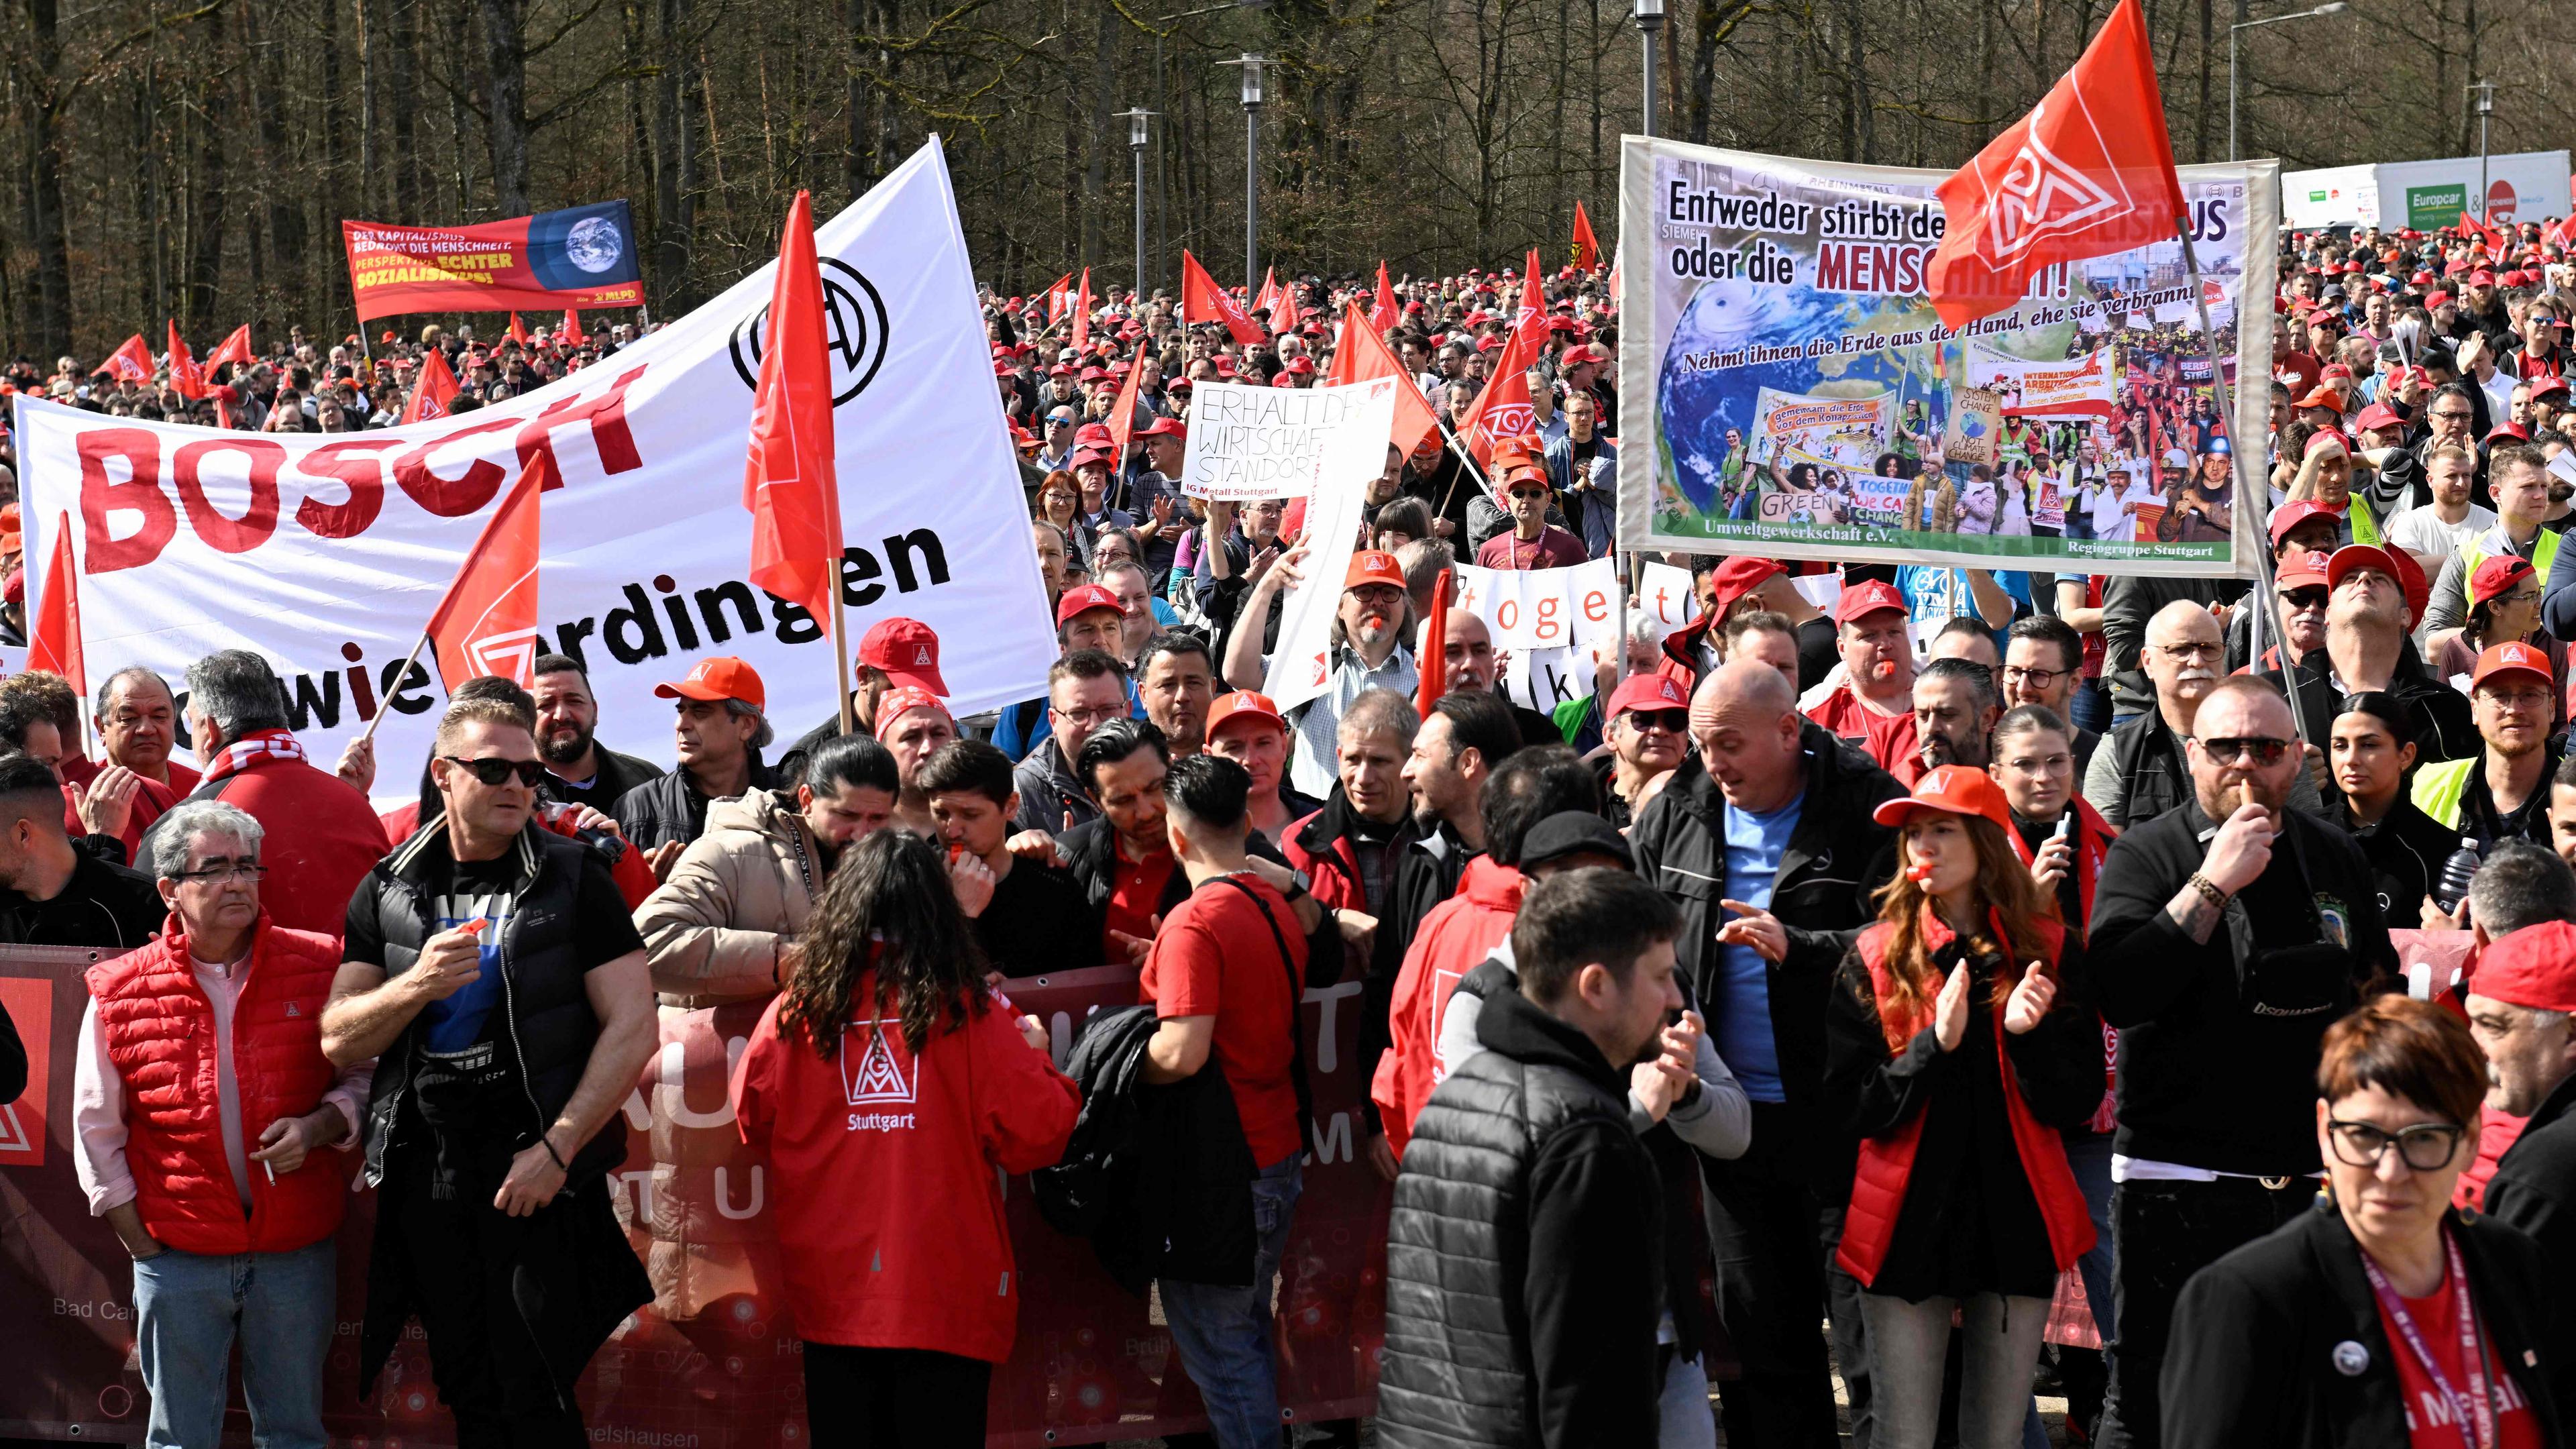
1135, 896
2497, 1131
1843, 713
1214, 957
2431, 1422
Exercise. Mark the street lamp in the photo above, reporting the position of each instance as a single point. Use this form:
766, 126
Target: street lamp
1252, 65
2334, 7
1649, 15
1136, 138
2485, 93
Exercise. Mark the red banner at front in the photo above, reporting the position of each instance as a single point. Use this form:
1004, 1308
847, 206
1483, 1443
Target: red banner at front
713, 1363
577, 258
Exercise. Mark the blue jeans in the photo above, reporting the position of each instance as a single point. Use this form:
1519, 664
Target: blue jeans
188, 1309
1223, 1334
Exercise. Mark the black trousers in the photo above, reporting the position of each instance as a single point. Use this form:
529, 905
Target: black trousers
1774, 1237
894, 1398
491, 1372
2161, 1234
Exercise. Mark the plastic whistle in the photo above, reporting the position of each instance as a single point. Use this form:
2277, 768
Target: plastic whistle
1919, 874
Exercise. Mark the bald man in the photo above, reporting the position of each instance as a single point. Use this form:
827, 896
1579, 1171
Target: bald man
1764, 840
2139, 771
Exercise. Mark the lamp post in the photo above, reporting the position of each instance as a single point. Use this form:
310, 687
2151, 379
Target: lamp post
2334, 7
1252, 65
1137, 135
2484, 91
1649, 15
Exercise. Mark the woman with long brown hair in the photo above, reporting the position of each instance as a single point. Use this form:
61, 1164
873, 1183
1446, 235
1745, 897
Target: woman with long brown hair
1951, 1051
885, 1084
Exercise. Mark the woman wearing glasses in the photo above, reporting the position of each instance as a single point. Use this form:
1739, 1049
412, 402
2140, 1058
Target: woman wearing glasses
2504, 607
2380, 1317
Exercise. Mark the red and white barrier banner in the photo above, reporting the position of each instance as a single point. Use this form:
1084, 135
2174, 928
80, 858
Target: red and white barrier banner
327, 552
1091, 1364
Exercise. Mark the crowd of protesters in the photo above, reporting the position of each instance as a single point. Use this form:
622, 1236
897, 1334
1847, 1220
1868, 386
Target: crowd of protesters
1863, 969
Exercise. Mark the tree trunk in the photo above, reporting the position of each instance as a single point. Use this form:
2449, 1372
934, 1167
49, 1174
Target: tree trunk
1095, 136
402, 98
45, 184
505, 102
206, 195
287, 233
675, 162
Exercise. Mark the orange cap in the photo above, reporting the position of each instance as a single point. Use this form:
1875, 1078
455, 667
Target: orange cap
1952, 789
1242, 704
1368, 566
719, 676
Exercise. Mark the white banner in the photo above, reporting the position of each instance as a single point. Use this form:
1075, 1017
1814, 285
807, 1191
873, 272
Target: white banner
326, 552
1265, 442
1535, 609
2073, 387
1350, 451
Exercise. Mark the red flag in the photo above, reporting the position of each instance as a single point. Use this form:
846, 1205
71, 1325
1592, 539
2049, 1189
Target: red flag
1268, 296
1432, 679
2487, 235
1503, 411
1587, 249
571, 330
186, 377
788, 482
1122, 420
432, 391
2087, 173
517, 333
1384, 314
1363, 356
1284, 315
487, 623
1202, 300
1059, 293
1082, 313
55, 641
133, 361
235, 348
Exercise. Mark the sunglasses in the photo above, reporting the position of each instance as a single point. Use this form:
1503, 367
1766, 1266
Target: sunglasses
2309, 598
1673, 721
2238, 749
493, 770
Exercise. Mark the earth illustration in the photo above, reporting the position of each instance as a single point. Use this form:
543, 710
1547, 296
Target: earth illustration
593, 245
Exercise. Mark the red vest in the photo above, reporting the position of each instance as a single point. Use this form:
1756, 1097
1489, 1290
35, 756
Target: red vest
160, 1031
1887, 1163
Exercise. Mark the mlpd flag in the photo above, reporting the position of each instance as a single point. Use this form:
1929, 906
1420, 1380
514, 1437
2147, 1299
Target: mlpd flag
432, 391
2089, 172
1363, 355
1383, 313
1202, 300
186, 377
1587, 248
55, 642
788, 481
487, 623
572, 332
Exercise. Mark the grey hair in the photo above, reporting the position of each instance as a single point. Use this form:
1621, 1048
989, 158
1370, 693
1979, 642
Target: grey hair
2522, 883
238, 691
177, 830
107, 687
737, 709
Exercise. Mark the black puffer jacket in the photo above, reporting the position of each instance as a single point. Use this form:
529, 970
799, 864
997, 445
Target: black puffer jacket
669, 807
1524, 1255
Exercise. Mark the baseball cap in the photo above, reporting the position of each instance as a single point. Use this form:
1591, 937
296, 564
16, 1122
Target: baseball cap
1741, 575
2509, 429
1868, 598
2496, 574
907, 650
1953, 790
1242, 704
2534, 967
2320, 396
1571, 833
2300, 568
2544, 386
2361, 556
1086, 457
1652, 689
1373, 566
2378, 417
2482, 278
1083, 600
2512, 657
718, 676
2318, 440
1165, 428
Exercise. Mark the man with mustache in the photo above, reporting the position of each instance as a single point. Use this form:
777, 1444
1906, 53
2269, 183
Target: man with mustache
2139, 772
585, 771
1368, 653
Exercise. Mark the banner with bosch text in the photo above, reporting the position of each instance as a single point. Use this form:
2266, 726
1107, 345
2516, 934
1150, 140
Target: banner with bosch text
583, 256
1787, 390
714, 1362
327, 552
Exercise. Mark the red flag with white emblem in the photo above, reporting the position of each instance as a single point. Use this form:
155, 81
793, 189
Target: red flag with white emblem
2089, 172
1082, 313
1202, 300
1503, 411
235, 348
186, 378
487, 623
1384, 314
432, 391
789, 482
132, 362
55, 642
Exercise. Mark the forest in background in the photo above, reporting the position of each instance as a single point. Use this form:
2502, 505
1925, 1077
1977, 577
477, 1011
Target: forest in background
193, 159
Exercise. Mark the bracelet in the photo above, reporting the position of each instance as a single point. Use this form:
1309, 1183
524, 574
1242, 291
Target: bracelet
2208, 889
546, 1141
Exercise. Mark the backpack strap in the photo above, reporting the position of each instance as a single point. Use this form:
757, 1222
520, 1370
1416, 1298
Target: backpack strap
1296, 1002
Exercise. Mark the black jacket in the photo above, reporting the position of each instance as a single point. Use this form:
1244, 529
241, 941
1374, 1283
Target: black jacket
103, 905
791, 763
669, 807
616, 775
1159, 1178
2219, 1039
1523, 1277
1090, 855
13, 1060
1836, 857
2405, 850
2444, 727
2534, 1187
2264, 1340
2154, 777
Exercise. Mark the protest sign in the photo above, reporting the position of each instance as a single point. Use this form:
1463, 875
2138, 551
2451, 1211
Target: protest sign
1351, 452
326, 552
1665, 592
1268, 442
1556, 608
584, 256
1781, 308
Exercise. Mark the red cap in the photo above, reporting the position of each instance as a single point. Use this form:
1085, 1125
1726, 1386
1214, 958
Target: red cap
1083, 600
2378, 417
2482, 278
1299, 365
902, 700
2362, 556
1086, 457
1868, 598
1242, 704
2512, 657
2300, 568
1373, 566
1951, 789
1094, 435
1165, 428
1650, 690
906, 649
2290, 515
2534, 967
718, 676
2335, 372
2509, 429
2318, 440
1741, 575
2495, 574
2320, 396
2543, 386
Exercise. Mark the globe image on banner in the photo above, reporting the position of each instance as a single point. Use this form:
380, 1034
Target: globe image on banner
593, 244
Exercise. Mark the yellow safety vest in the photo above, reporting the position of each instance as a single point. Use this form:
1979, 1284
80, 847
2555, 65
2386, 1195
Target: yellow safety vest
2543, 554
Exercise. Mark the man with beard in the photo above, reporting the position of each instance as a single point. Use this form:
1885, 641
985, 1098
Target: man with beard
1873, 707
585, 771
1954, 709
2502, 791
1367, 652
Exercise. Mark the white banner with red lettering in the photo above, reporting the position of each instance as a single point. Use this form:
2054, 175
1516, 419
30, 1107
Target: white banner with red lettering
2074, 387
327, 552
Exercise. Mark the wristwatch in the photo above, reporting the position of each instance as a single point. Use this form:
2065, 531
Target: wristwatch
1297, 886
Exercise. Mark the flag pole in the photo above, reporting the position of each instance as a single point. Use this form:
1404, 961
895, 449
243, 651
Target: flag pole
2246, 493
385, 705
841, 650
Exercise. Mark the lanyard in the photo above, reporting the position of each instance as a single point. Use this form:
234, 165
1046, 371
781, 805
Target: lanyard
2475, 1409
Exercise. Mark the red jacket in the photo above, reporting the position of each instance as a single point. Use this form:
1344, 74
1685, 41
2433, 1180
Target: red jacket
322, 839
1455, 939
881, 1174
633, 877
150, 802
1887, 1162
160, 1032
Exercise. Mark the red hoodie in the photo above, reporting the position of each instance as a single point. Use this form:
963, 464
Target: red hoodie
881, 1173
1455, 939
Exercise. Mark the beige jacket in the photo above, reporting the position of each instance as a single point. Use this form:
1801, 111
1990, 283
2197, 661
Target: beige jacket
714, 930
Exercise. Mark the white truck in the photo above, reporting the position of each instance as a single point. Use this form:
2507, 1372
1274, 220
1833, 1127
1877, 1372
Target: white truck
2523, 186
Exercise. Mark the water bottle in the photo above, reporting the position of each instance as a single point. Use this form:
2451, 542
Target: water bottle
2457, 871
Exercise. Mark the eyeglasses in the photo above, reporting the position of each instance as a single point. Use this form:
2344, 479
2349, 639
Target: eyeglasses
2424, 1147
493, 770
2191, 651
2035, 678
2238, 749
1091, 718
1673, 721
2308, 598
249, 870
2454, 416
